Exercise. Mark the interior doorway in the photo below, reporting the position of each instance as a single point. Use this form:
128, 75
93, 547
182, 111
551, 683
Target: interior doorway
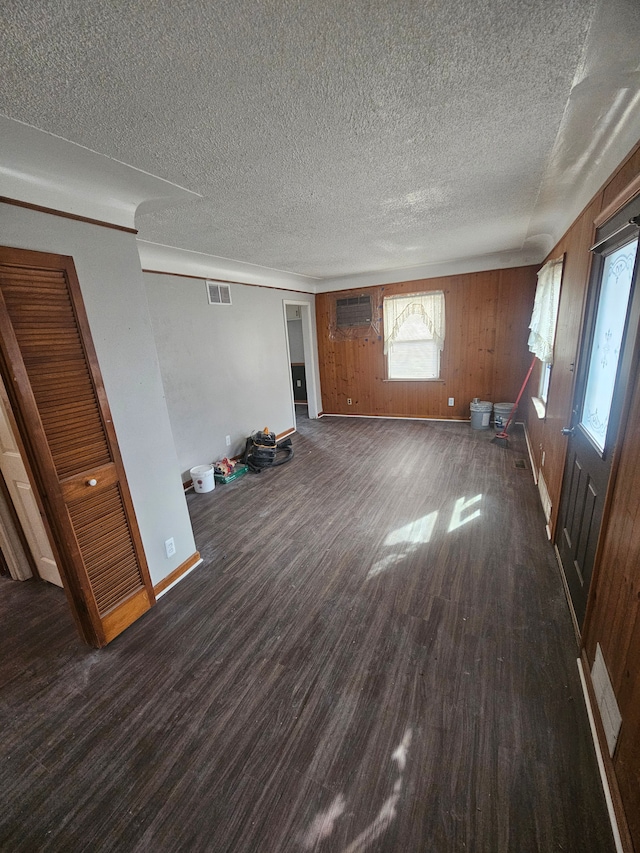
296, 354
301, 357
24, 539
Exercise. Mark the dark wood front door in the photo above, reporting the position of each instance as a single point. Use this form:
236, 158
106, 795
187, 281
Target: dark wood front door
55, 387
609, 336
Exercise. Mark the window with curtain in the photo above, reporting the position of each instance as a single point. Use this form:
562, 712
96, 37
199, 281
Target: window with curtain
414, 330
543, 325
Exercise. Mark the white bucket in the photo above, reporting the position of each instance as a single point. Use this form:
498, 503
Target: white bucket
480, 414
203, 479
501, 413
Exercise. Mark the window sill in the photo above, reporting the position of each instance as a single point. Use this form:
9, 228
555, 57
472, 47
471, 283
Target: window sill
414, 380
540, 407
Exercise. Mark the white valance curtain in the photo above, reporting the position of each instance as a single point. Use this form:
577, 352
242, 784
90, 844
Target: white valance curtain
429, 307
545, 310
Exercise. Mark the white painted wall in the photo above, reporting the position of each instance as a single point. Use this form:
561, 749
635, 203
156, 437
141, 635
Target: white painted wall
296, 343
111, 281
225, 368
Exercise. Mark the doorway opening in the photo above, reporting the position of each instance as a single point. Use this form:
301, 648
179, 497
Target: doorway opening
25, 541
301, 358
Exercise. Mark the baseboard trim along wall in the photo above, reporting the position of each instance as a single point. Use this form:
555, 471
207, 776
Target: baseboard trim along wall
178, 574
532, 461
397, 418
620, 832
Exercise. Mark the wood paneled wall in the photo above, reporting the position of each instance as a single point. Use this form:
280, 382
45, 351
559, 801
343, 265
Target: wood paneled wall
614, 618
613, 614
548, 443
485, 354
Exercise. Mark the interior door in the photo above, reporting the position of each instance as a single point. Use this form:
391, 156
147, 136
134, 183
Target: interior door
609, 336
23, 498
54, 384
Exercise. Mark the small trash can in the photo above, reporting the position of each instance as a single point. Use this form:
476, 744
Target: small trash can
480, 414
203, 479
501, 412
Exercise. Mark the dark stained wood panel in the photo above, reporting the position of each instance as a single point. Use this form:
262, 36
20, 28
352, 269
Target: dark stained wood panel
353, 668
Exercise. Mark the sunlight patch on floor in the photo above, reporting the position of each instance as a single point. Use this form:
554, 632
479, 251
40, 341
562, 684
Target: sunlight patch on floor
323, 824
407, 539
461, 506
417, 532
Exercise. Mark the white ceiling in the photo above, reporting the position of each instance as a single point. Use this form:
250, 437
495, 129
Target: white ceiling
322, 144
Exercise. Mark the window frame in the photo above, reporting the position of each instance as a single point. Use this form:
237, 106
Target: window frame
432, 340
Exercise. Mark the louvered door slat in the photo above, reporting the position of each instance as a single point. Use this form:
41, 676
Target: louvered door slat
52, 349
107, 548
70, 418
47, 396
55, 361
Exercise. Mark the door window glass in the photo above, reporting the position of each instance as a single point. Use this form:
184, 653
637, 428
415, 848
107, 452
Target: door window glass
607, 340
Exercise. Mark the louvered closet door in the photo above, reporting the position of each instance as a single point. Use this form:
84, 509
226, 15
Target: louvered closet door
54, 382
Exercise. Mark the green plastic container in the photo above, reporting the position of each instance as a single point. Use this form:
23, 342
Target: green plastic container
238, 471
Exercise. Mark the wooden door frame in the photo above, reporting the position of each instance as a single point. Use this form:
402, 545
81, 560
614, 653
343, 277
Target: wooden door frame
37, 452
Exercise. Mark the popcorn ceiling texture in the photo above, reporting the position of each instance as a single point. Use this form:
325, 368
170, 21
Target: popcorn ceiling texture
325, 138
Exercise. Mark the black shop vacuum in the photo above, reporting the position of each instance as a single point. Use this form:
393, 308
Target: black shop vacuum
263, 451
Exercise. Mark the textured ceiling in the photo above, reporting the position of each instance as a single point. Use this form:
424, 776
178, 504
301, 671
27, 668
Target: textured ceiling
336, 138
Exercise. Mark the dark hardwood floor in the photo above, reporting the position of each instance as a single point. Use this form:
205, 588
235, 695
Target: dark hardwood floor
376, 655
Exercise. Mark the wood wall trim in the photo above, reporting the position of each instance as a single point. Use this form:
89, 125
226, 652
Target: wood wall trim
616, 799
285, 433
395, 417
628, 193
66, 215
227, 281
182, 569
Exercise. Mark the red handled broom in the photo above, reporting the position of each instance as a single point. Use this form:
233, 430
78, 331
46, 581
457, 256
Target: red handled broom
502, 438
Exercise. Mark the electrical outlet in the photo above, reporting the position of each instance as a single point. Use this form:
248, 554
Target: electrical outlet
451, 401
170, 547
228, 440
348, 401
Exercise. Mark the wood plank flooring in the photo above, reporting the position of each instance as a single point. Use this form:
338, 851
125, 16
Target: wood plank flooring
375, 656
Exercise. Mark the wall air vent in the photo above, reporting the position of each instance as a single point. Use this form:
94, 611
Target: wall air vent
218, 293
353, 311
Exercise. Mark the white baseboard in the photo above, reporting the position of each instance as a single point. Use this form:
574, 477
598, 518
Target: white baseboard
601, 768
530, 451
